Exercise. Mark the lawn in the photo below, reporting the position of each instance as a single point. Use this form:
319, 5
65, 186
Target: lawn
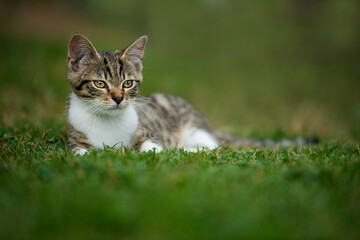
281, 77
47, 193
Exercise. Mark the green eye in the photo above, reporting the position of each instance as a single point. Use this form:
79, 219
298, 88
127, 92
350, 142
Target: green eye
127, 83
99, 84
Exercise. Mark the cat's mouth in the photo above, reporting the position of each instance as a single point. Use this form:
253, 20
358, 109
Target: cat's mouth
114, 108
118, 107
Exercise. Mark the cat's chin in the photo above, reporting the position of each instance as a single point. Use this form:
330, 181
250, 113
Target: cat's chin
114, 110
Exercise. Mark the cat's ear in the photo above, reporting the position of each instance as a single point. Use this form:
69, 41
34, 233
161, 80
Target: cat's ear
135, 52
79, 48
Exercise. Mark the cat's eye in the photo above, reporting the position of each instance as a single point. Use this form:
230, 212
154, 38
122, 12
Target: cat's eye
128, 84
100, 84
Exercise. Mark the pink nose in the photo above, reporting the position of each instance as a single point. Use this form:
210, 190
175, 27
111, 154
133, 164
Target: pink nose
117, 99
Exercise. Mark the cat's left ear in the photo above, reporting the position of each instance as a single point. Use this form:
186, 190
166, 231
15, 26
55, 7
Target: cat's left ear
135, 52
80, 49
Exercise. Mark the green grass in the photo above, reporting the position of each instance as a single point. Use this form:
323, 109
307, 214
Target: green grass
254, 68
308, 192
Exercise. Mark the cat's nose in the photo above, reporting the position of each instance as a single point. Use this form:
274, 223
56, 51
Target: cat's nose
117, 99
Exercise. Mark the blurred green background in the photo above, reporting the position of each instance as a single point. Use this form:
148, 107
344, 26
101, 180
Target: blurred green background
254, 68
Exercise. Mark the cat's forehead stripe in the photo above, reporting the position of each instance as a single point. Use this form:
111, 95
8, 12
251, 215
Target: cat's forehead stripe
107, 70
113, 66
121, 69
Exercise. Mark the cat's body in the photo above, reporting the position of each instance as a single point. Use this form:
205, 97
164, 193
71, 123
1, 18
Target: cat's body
104, 108
158, 121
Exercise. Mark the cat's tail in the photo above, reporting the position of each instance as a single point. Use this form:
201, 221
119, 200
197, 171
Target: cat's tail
234, 141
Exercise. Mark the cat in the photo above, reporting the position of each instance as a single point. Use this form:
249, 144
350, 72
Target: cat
104, 109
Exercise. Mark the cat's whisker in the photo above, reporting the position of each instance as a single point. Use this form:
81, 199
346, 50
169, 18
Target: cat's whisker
143, 108
92, 109
143, 99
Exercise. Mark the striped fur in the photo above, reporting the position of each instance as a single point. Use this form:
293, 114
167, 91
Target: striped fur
115, 116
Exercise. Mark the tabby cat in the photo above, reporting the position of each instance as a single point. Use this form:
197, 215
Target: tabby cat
104, 108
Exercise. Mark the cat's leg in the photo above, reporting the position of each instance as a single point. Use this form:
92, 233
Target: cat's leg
148, 145
190, 149
80, 151
77, 141
193, 139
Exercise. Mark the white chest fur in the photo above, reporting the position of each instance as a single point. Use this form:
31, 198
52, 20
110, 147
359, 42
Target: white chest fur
113, 130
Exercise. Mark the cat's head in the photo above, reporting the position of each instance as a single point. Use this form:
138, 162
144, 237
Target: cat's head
106, 80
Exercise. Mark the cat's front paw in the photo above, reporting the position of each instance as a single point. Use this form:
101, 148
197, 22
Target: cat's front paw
150, 146
80, 151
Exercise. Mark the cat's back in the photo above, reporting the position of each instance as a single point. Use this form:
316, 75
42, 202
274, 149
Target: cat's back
166, 105
172, 111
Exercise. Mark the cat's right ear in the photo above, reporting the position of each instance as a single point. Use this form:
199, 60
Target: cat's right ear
79, 49
134, 53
